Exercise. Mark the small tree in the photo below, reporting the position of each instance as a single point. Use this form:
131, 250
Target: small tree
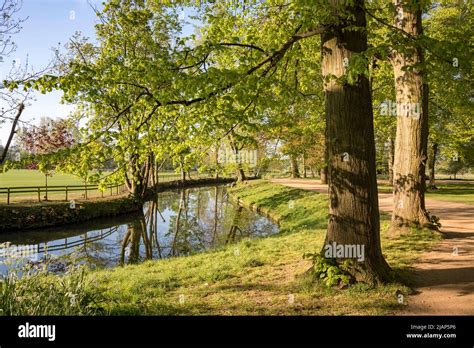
46, 140
455, 167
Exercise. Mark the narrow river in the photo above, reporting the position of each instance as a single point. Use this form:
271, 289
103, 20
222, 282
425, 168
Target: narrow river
177, 223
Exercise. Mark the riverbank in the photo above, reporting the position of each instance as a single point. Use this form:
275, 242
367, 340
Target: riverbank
21, 217
256, 277
29, 216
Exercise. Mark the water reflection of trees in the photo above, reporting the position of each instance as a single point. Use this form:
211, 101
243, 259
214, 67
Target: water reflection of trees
174, 224
185, 222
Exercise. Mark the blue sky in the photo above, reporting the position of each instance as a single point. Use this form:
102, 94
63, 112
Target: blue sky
50, 22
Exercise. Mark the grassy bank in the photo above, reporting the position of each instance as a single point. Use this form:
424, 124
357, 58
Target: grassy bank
257, 277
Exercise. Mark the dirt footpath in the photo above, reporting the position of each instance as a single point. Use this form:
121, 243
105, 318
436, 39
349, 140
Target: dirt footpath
444, 276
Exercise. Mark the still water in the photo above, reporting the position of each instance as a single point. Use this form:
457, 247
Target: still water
176, 223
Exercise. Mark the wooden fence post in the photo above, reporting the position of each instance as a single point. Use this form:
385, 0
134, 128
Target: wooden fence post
8, 196
66, 192
39, 194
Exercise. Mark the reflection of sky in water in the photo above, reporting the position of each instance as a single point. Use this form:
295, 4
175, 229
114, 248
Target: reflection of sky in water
178, 223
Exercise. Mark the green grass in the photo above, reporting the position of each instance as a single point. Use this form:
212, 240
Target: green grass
24, 177
258, 277
461, 193
450, 192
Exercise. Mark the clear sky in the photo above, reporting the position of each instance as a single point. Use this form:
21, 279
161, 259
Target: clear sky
51, 22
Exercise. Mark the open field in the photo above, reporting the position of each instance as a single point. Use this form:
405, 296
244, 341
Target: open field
456, 191
34, 178
25, 178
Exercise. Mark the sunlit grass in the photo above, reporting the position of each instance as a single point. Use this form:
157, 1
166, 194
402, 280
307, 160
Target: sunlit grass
450, 192
25, 177
459, 192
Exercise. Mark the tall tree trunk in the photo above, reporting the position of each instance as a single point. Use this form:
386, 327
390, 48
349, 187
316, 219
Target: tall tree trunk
295, 173
353, 207
156, 172
323, 174
241, 174
304, 166
412, 124
391, 148
431, 165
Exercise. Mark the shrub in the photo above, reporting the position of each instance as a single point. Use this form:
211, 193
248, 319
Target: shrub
35, 291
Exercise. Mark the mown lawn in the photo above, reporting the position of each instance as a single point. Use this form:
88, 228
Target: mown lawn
450, 192
461, 193
259, 277
26, 178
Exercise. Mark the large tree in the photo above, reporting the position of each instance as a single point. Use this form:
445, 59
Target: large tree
353, 207
412, 120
